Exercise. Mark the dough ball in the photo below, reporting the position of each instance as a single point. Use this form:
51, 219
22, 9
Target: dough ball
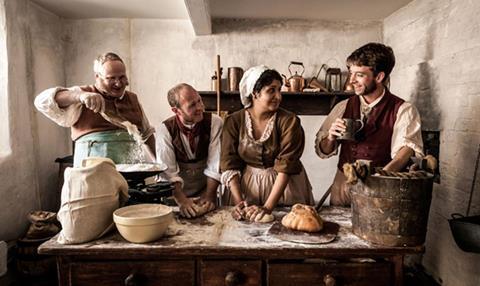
265, 219
201, 209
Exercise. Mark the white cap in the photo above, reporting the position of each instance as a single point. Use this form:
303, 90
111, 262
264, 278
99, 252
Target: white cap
248, 82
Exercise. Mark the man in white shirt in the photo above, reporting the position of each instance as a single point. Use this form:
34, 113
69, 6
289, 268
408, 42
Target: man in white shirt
392, 131
88, 111
189, 144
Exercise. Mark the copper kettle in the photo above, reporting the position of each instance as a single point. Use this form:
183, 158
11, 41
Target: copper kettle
295, 83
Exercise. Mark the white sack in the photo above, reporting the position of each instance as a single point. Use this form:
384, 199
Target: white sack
89, 197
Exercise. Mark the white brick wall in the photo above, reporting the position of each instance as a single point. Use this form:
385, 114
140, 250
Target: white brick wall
437, 47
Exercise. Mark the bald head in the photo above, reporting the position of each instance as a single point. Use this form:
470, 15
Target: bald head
174, 94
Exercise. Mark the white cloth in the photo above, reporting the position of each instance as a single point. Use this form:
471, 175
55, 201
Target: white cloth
46, 104
247, 83
166, 152
89, 197
406, 130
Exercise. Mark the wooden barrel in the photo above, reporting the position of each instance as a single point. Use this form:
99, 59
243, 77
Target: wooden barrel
392, 211
29, 263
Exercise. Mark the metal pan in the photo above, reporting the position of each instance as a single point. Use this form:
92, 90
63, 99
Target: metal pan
139, 175
466, 232
466, 229
134, 175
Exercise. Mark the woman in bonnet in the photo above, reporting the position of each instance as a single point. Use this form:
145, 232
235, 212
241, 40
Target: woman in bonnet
261, 149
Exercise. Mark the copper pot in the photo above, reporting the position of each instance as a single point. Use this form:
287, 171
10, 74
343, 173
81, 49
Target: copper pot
234, 76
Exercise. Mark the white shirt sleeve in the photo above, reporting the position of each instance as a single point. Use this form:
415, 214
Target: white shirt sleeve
46, 104
407, 130
337, 112
213, 160
166, 155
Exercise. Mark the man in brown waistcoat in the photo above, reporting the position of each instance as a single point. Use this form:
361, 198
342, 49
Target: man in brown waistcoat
189, 144
392, 128
88, 111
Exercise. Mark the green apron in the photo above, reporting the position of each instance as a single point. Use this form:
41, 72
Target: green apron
117, 145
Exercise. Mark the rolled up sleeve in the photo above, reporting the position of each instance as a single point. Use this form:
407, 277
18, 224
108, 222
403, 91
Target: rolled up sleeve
407, 130
213, 160
292, 143
337, 112
46, 104
229, 157
166, 155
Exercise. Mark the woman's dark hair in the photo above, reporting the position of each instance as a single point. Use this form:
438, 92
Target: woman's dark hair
266, 78
378, 57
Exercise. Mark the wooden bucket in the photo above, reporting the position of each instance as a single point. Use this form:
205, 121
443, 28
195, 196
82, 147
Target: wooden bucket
392, 211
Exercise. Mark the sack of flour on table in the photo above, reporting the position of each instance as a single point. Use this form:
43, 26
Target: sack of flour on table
90, 195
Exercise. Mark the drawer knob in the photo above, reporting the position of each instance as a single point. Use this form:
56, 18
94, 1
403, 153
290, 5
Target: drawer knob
132, 280
234, 278
329, 280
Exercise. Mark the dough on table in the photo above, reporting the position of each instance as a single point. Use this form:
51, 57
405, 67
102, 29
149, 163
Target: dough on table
201, 209
265, 219
303, 218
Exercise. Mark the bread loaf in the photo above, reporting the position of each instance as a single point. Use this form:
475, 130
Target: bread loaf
303, 218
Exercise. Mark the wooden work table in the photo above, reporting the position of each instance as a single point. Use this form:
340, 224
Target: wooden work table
217, 250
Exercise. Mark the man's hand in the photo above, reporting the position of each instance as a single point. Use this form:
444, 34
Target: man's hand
187, 208
92, 101
254, 212
336, 129
208, 204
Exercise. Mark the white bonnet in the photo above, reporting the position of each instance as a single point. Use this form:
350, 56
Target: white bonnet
247, 84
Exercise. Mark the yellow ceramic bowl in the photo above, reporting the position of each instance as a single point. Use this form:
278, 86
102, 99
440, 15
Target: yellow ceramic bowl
144, 222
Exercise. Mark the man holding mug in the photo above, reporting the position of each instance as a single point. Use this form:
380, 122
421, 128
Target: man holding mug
391, 129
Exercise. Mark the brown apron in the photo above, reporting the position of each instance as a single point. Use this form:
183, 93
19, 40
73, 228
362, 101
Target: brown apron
194, 180
340, 191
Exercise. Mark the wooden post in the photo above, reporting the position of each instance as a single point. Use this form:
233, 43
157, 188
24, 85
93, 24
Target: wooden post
219, 84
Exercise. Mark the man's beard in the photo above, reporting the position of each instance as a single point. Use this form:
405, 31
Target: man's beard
369, 88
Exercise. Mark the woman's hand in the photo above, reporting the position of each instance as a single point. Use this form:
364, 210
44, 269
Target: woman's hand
207, 203
238, 212
255, 213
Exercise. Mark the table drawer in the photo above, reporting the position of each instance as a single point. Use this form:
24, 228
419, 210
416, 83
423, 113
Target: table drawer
146, 273
231, 272
335, 273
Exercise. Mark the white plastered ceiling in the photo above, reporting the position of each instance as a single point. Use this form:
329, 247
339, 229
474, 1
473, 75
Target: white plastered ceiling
201, 12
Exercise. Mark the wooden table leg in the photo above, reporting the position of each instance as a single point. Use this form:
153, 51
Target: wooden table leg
63, 271
397, 261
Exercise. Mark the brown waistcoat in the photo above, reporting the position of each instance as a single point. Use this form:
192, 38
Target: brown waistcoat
128, 107
375, 139
201, 152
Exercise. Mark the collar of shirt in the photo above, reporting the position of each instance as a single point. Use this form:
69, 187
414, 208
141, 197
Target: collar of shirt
366, 108
189, 126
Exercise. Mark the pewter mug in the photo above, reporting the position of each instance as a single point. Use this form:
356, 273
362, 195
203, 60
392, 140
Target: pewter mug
351, 128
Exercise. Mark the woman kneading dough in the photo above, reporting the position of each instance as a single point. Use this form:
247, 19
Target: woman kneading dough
261, 149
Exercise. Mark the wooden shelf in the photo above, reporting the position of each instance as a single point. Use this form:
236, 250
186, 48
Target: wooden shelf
302, 103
